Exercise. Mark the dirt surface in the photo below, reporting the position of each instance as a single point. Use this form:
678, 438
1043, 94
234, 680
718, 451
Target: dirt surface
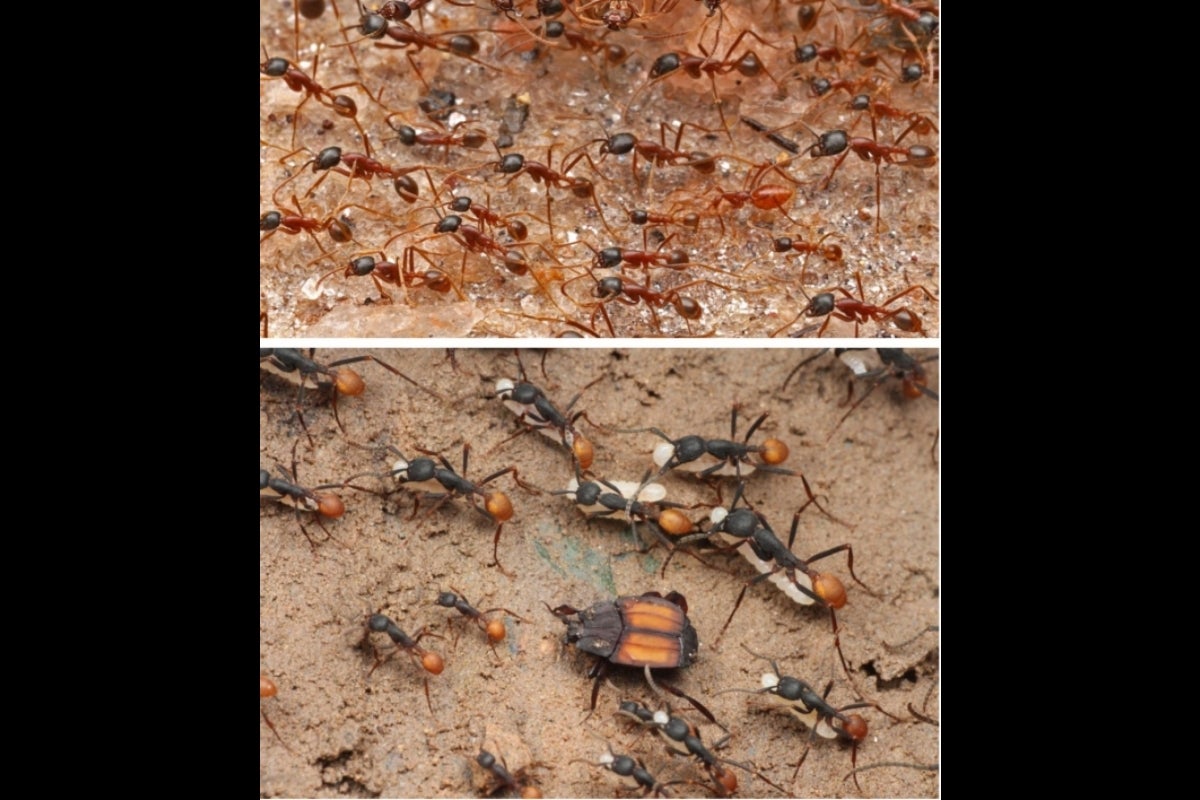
569, 99
348, 731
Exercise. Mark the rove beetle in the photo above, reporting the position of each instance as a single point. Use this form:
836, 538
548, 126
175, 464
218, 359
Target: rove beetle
646, 630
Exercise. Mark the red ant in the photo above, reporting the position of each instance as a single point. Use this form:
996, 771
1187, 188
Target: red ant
918, 123
747, 64
515, 164
762, 196
837, 143
332, 159
293, 224
518, 230
657, 153
474, 240
614, 54
389, 272
375, 26
471, 139
858, 310
690, 220
298, 81
813, 51
830, 252
614, 289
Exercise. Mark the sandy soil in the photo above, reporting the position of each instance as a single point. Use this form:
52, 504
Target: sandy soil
345, 732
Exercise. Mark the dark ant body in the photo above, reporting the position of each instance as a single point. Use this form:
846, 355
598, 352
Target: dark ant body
642, 503
429, 661
536, 412
918, 123
475, 240
895, 364
731, 457
442, 483
629, 767
640, 216
345, 381
750, 527
332, 159
677, 730
802, 701
518, 782
302, 498
613, 53
512, 226
294, 224
494, 628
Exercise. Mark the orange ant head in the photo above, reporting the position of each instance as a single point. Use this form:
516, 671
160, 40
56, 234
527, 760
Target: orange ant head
349, 383
583, 451
829, 589
855, 727
495, 631
432, 663
330, 505
912, 389
531, 791
724, 777
499, 506
774, 451
674, 522
266, 687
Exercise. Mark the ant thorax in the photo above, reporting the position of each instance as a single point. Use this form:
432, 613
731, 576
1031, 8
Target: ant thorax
780, 579
529, 414
809, 718
664, 451
630, 490
400, 473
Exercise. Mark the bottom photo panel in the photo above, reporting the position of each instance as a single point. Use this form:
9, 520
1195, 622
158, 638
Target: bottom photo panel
599, 572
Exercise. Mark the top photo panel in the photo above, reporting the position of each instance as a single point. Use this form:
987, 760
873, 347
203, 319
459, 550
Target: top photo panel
599, 168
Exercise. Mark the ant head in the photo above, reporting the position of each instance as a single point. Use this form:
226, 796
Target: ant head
829, 589
432, 663
675, 522
583, 451
495, 631
348, 382
774, 451
499, 506
330, 505
855, 727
